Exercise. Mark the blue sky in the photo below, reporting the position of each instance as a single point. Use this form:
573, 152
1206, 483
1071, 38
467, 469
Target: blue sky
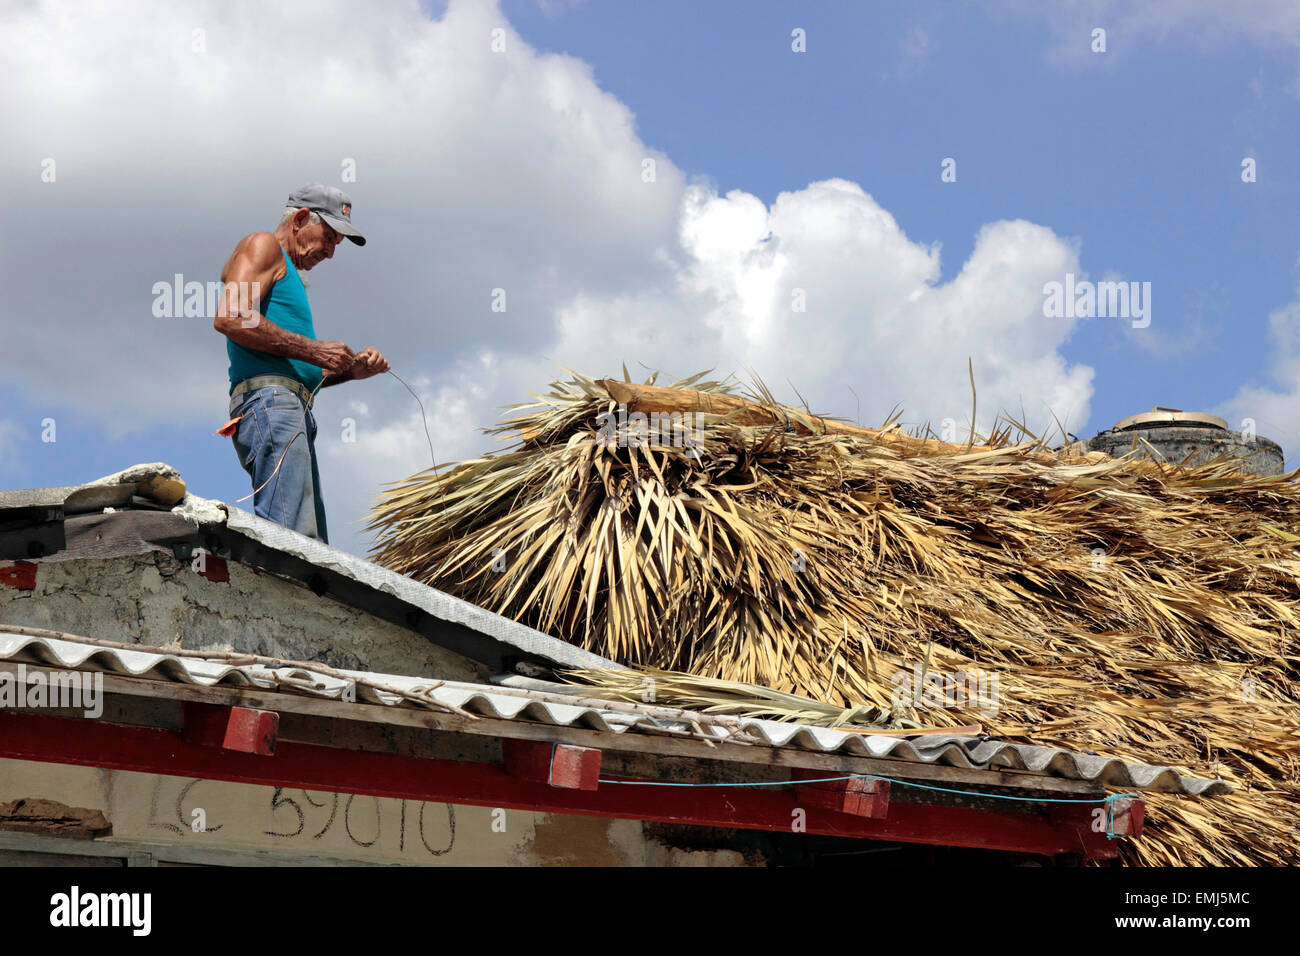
519, 171
1136, 152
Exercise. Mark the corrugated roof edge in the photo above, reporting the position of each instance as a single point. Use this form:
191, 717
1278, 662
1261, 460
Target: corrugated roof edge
488, 701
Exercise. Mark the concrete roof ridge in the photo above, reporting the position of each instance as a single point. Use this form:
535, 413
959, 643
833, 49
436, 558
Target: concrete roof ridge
437, 603
161, 483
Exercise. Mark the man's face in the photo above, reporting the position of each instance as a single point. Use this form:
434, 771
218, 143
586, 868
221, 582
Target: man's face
316, 241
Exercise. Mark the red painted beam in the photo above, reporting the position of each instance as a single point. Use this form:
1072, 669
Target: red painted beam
95, 743
556, 765
1127, 816
860, 796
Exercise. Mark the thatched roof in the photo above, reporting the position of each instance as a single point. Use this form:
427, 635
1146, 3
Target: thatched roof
1139, 610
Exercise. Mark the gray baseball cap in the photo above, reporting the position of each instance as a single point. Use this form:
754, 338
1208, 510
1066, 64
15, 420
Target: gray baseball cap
333, 205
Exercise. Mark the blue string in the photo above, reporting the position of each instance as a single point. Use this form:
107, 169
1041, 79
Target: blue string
1108, 801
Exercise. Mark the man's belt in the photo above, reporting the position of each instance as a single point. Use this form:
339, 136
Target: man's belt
278, 381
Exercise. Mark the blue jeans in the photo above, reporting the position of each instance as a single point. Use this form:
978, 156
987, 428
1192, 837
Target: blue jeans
272, 416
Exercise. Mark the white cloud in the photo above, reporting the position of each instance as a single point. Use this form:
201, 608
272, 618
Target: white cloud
1275, 409
476, 171
877, 320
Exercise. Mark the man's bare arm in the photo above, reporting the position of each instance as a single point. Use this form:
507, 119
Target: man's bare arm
251, 269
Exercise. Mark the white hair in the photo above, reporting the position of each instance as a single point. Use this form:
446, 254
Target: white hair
290, 210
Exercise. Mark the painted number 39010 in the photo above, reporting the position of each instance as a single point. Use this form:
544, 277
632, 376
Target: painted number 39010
363, 825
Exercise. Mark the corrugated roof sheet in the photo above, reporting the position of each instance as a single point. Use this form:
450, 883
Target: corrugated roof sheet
616, 718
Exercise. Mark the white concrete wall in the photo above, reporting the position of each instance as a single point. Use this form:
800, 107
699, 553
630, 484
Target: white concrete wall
155, 599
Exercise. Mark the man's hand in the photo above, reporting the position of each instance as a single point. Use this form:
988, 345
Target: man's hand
368, 362
334, 357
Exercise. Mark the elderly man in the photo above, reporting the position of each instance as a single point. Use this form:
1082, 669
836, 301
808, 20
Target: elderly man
276, 363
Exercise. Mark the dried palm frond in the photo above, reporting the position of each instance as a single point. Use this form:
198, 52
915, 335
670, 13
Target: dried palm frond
711, 695
1135, 609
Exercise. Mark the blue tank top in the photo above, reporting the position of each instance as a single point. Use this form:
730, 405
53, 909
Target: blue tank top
288, 308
